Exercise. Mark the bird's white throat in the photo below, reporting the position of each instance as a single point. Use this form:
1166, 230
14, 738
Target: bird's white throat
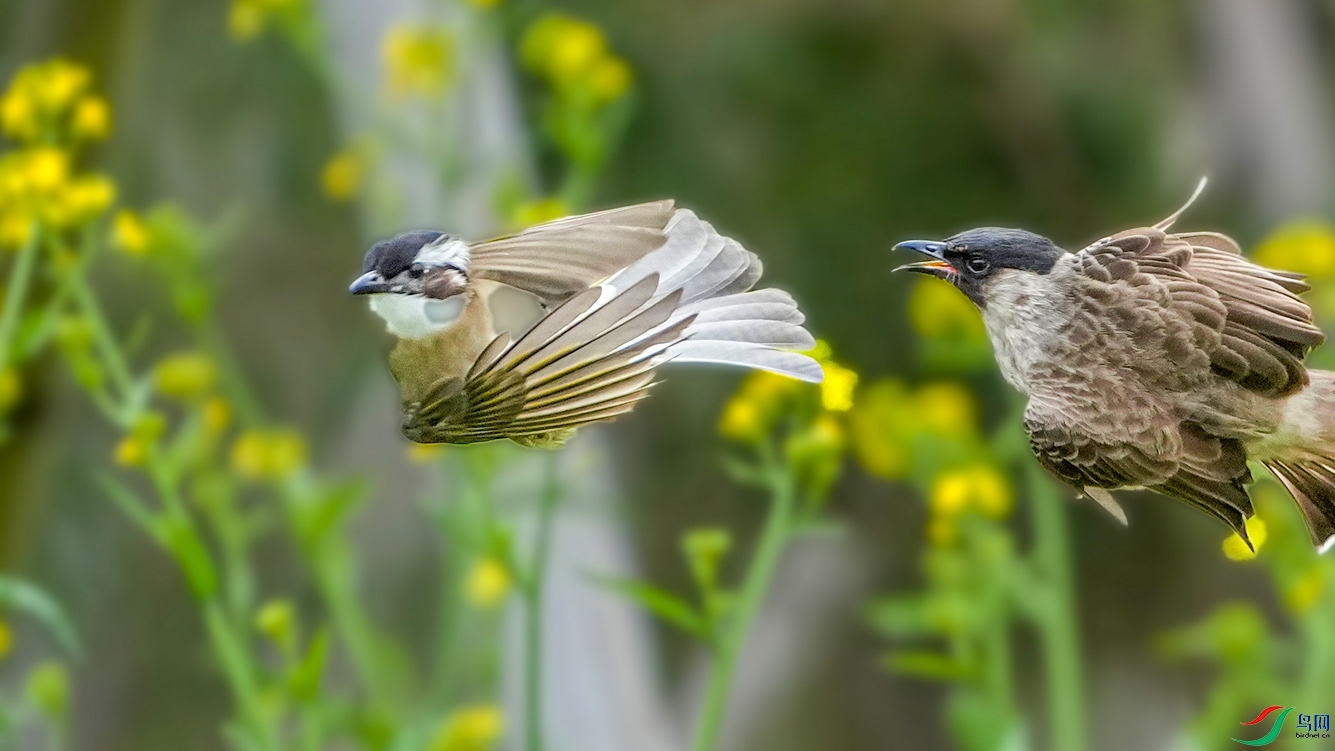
414, 316
1022, 315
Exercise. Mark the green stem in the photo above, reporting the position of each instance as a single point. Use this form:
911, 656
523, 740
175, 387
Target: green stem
551, 492
112, 356
778, 527
16, 295
237, 668
1056, 618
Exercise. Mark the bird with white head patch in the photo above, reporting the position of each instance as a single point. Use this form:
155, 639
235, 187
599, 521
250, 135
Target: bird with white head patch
621, 291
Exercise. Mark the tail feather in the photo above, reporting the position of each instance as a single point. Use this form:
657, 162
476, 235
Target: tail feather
1312, 485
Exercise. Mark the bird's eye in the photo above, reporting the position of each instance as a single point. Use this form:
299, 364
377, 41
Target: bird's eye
978, 265
416, 270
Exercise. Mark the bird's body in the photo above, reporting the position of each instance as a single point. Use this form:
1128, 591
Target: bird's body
622, 292
1160, 361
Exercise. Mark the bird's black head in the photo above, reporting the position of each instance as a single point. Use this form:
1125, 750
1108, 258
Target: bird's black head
430, 264
971, 259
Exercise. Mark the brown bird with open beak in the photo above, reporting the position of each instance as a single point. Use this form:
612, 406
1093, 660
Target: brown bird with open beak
1158, 360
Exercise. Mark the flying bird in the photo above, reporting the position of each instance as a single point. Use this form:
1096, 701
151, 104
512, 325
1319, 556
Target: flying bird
620, 292
1158, 360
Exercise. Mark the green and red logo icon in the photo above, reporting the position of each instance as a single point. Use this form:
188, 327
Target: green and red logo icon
1309, 726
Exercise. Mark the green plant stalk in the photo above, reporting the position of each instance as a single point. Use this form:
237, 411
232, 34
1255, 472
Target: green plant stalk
773, 538
16, 294
1056, 617
229, 647
533, 587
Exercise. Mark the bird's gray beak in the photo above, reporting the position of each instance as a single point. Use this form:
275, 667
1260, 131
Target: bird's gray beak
938, 266
370, 283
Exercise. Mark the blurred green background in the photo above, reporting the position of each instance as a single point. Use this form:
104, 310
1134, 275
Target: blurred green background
818, 134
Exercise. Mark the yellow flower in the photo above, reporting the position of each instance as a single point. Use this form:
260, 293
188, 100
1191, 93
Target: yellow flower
941, 530
979, 488
6, 640
62, 84
277, 619
343, 175
470, 728
945, 408
47, 169
18, 115
130, 234
1306, 592
836, 391
484, 3
132, 451
268, 454
15, 228
1236, 548
419, 60
1307, 247
576, 48
610, 78
217, 415
425, 453
879, 428
539, 211
185, 375
245, 20
11, 390
756, 407
82, 200
488, 583
91, 120
39, 97
936, 311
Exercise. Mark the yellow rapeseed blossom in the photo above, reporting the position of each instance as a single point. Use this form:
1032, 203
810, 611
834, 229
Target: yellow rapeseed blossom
1303, 594
80, 201
936, 311
46, 169
753, 411
419, 60
185, 375
488, 583
1307, 247
11, 390
946, 408
1236, 548
610, 78
471, 728
277, 619
130, 234
836, 391
132, 451
268, 454
536, 212
6, 640
91, 120
38, 100
980, 489
217, 415
879, 425
343, 175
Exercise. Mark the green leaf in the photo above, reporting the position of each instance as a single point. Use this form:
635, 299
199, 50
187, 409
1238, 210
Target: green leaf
308, 673
928, 665
902, 616
31, 600
667, 606
333, 505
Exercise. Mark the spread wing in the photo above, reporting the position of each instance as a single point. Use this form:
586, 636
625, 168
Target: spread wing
559, 259
569, 370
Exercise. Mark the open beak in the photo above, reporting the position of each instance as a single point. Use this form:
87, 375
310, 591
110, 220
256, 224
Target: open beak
370, 283
937, 266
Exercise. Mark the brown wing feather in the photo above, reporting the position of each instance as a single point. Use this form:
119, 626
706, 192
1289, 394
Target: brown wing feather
566, 372
1266, 329
558, 259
